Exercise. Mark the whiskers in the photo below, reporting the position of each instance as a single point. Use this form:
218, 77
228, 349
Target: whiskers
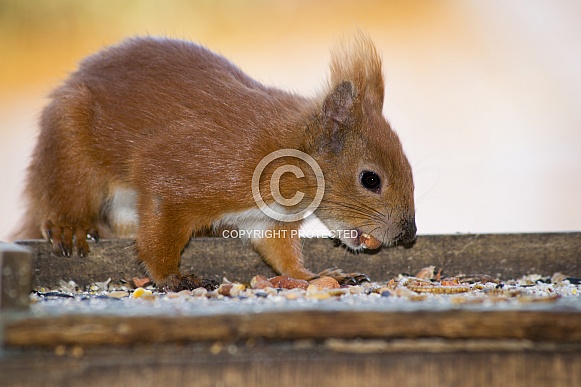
361, 215
360, 218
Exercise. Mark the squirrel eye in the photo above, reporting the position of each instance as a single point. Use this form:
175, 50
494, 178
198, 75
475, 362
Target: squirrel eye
370, 180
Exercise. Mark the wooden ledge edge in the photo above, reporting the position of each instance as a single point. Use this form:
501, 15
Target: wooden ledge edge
89, 330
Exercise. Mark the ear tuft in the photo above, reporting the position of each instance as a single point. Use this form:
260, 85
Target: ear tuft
358, 60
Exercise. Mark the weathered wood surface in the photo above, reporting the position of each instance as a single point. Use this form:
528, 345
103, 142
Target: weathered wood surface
15, 276
468, 346
502, 255
105, 329
402, 363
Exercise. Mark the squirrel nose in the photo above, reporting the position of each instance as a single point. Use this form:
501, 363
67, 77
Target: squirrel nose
409, 229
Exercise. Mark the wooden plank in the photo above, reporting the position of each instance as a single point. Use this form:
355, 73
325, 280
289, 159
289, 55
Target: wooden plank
15, 276
305, 364
324, 344
107, 329
502, 255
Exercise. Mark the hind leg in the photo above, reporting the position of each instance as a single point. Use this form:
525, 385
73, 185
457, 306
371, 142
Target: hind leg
64, 187
68, 219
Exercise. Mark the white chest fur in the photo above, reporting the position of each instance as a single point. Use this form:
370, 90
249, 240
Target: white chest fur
253, 223
122, 212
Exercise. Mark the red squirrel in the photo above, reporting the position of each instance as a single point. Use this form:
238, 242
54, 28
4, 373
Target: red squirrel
160, 139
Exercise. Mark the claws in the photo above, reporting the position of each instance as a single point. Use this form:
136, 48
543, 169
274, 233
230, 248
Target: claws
63, 238
82, 247
346, 278
93, 234
209, 284
354, 279
47, 230
176, 283
348, 281
191, 282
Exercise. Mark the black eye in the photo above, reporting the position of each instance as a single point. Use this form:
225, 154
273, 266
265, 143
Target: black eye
370, 180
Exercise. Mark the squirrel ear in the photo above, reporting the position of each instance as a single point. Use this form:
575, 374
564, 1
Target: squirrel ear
338, 114
338, 105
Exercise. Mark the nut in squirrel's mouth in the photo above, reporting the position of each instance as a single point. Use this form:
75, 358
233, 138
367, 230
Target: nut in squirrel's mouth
367, 241
363, 240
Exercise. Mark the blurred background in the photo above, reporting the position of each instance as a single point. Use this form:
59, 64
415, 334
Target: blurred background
486, 96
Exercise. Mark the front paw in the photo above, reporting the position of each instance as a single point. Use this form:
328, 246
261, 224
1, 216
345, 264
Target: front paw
345, 278
177, 282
